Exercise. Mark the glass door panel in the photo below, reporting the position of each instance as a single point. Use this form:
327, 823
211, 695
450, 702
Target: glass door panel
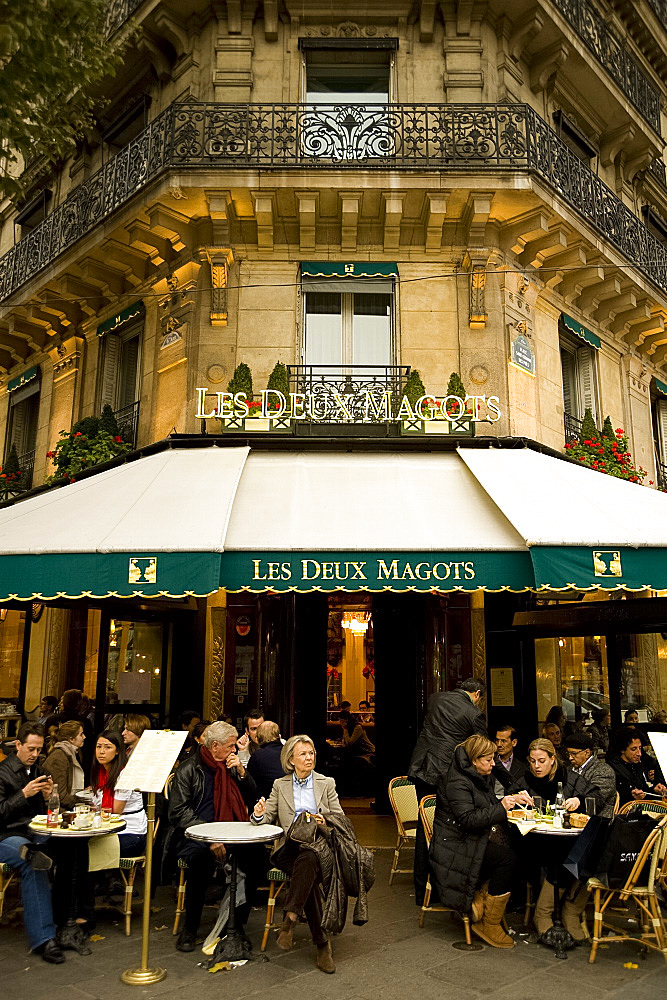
135, 662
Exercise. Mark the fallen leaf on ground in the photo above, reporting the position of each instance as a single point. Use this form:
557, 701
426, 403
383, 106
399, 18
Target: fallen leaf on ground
162, 927
220, 967
630, 965
96, 937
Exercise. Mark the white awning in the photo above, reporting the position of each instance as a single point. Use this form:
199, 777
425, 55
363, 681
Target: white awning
188, 520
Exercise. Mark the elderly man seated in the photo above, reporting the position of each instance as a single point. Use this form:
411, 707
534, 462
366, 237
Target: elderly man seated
211, 785
24, 791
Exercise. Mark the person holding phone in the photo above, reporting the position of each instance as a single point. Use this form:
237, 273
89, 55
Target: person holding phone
24, 791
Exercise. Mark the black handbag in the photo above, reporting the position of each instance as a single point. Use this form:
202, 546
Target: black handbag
303, 829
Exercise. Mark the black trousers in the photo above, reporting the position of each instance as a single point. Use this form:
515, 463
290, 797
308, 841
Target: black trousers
304, 894
500, 867
201, 861
422, 869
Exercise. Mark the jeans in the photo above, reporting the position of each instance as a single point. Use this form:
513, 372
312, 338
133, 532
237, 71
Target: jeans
35, 892
132, 845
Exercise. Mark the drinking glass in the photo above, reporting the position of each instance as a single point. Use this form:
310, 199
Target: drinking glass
590, 805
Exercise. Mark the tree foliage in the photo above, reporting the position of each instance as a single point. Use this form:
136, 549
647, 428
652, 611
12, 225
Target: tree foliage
241, 381
413, 389
53, 56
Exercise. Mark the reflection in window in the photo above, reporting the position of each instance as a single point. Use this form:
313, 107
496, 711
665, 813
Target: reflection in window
12, 625
135, 662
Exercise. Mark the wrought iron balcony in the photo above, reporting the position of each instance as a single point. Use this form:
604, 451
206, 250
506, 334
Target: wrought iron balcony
659, 8
661, 469
479, 138
118, 12
127, 419
659, 170
573, 426
24, 481
362, 389
611, 53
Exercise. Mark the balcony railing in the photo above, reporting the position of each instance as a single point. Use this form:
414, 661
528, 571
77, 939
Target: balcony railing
24, 482
457, 137
661, 469
127, 419
118, 11
659, 171
573, 426
610, 52
660, 10
362, 390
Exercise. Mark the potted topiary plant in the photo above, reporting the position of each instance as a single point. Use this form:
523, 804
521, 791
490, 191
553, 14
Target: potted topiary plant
413, 390
279, 382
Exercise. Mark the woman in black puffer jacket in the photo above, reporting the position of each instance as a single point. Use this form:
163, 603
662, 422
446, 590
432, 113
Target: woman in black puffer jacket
471, 847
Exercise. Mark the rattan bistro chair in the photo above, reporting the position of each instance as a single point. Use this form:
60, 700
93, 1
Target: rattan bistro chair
653, 933
276, 879
427, 812
403, 798
648, 807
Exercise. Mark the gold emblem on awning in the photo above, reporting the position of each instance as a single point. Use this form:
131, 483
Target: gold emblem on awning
142, 569
607, 562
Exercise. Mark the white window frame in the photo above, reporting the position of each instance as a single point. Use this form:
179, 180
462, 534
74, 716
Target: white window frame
385, 286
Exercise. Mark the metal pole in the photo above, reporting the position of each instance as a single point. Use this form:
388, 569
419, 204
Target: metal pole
144, 975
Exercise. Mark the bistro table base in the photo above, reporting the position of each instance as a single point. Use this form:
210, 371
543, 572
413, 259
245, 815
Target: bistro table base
72, 938
558, 938
233, 947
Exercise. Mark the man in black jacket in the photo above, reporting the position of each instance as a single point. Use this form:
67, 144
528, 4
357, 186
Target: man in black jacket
452, 717
24, 790
600, 777
631, 781
212, 785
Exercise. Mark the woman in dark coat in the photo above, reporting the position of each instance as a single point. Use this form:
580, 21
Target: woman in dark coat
542, 778
470, 846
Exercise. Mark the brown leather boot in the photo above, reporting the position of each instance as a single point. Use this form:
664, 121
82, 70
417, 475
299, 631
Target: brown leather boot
325, 960
477, 911
285, 938
489, 929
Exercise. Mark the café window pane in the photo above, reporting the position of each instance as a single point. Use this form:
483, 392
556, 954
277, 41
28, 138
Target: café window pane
371, 330
12, 625
135, 662
324, 328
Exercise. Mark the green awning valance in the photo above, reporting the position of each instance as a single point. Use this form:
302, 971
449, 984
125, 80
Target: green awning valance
581, 331
112, 324
660, 386
21, 380
338, 269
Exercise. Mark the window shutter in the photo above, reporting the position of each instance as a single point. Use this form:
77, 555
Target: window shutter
568, 368
586, 378
110, 370
19, 428
129, 366
661, 414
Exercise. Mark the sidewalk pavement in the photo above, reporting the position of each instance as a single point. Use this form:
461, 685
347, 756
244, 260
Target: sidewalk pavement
388, 959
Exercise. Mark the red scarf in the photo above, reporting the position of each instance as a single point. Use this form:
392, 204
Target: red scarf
228, 802
107, 793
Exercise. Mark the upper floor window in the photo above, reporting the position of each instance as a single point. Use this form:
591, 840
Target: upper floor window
579, 376
127, 124
120, 368
22, 422
345, 75
659, 414
33, 212
348, 322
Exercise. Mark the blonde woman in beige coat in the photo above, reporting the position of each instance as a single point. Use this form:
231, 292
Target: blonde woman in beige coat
301, 790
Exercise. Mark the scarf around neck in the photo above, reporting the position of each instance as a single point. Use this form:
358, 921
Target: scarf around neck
77, 773
228, 804
107, 793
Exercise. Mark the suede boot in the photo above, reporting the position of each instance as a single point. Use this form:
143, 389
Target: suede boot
325, 960
477, 911
285, 938
544, 908
489, 929
572, 910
